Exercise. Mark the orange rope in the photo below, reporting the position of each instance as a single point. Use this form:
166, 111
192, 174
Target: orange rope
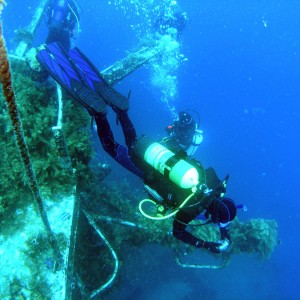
5, 79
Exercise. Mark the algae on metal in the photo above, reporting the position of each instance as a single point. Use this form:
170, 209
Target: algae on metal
38, 110
256, 236
21, 231
113, 203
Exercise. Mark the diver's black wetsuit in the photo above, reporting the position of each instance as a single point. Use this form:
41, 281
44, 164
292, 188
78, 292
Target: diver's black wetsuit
61, 21
118, 152
170, 19
172, 194
180, 135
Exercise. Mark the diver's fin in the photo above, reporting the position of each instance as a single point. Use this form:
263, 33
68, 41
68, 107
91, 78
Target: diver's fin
96, 81
57, 63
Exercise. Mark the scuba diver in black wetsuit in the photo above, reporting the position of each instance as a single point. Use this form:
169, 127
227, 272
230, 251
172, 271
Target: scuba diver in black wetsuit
207, 197
169, 19
62, 17
174, 181
183, 134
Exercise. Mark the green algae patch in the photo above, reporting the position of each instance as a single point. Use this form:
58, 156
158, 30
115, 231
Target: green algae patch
38, 109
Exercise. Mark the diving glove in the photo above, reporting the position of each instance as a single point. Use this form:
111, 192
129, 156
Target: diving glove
217, 247
224, 244
211, 246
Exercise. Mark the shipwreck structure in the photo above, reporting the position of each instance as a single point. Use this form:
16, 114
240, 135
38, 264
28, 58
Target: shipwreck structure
52, 226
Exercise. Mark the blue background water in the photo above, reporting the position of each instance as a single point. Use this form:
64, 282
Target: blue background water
242, 76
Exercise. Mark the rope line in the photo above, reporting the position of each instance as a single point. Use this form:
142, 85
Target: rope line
9, 95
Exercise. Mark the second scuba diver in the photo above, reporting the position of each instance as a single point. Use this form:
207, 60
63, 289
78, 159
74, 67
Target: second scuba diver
183, 134
62, 17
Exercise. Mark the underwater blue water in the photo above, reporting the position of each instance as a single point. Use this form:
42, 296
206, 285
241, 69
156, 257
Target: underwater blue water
242, 76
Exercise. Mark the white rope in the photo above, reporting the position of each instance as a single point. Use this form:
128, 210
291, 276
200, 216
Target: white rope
126, 223
60, 105
113, 253
192, 266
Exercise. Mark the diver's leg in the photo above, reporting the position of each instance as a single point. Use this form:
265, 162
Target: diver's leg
118, 152
105, 135
127, 127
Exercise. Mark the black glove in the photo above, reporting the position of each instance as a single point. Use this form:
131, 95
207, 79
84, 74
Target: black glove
213, 247
224, 245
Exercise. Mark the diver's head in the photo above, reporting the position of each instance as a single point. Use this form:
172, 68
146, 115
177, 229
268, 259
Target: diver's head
222, 210
180, 20
185, 122
171, 17
184, 118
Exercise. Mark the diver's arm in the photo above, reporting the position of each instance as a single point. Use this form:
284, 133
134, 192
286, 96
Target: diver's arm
179, 230
179, 225
225, 238
224, 233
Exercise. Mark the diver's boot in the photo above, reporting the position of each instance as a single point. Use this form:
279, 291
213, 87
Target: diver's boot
105, 135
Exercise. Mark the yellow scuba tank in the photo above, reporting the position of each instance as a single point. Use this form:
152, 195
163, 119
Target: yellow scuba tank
178, 170
148, 154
